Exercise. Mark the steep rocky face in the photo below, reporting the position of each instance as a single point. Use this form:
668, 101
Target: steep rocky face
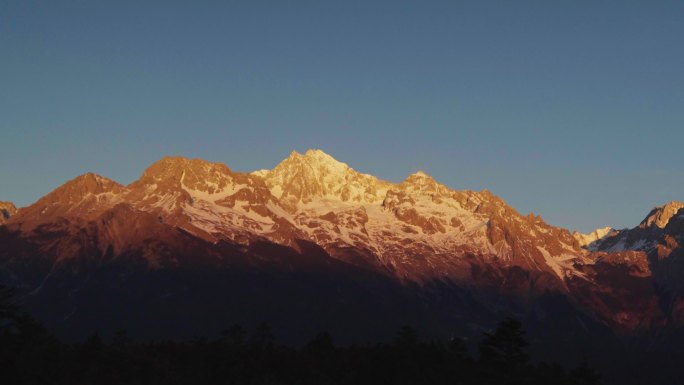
119, 234
660, 216
7, 209
476, 224
666, 257
587, 240
418, 230
172, 174
657, 241
83, 197
211, 201
301, 179
651, 234
619, 288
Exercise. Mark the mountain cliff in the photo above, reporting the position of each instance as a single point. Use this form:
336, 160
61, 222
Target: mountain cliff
656, 242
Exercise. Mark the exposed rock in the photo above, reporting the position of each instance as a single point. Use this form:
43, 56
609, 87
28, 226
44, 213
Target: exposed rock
7, 209
586, 240
660, 216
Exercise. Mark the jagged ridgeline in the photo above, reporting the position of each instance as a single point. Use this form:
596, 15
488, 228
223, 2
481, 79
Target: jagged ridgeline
313, 244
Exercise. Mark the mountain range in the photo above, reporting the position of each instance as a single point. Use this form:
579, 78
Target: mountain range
192, 247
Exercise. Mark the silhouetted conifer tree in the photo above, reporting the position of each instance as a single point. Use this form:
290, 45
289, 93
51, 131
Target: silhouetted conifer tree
503, 353
406, 337
584, 375
234, 335
506, 347
262, 338
120, 339
321, 343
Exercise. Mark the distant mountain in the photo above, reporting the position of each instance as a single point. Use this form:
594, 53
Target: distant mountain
312, 244
586, 240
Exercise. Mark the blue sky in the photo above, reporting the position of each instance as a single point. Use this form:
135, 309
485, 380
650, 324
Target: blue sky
573, 110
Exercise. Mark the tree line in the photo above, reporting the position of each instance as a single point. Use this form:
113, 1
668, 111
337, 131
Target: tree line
29, 354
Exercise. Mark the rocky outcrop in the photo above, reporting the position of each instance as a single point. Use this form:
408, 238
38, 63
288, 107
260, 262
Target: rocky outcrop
587, 240
661, 215
7, 209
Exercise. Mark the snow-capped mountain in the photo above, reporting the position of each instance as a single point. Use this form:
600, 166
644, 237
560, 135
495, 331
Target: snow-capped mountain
646, 236
302, 179
586, 240
314, 197
457, 254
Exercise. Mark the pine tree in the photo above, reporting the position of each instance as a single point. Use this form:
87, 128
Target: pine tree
503, 355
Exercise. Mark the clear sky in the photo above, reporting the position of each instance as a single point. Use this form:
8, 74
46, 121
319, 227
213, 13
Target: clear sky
571, 109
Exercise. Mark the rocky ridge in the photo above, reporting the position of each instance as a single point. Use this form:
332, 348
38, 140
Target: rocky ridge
182, 212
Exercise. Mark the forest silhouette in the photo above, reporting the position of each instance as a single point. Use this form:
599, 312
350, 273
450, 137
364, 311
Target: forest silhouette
29, 354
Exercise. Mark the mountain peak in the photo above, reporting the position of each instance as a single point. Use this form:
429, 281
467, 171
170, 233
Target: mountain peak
79, 197
316, 153
422, 181
421, 174
661, 215
88, 183
173, 176
313, 164
588, 239
317, 159
176, 168
303, 177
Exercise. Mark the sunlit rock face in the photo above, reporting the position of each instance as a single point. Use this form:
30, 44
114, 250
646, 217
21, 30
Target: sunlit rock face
654, 244
316, 216
302, 179
7, 209
660, 216
587, 240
